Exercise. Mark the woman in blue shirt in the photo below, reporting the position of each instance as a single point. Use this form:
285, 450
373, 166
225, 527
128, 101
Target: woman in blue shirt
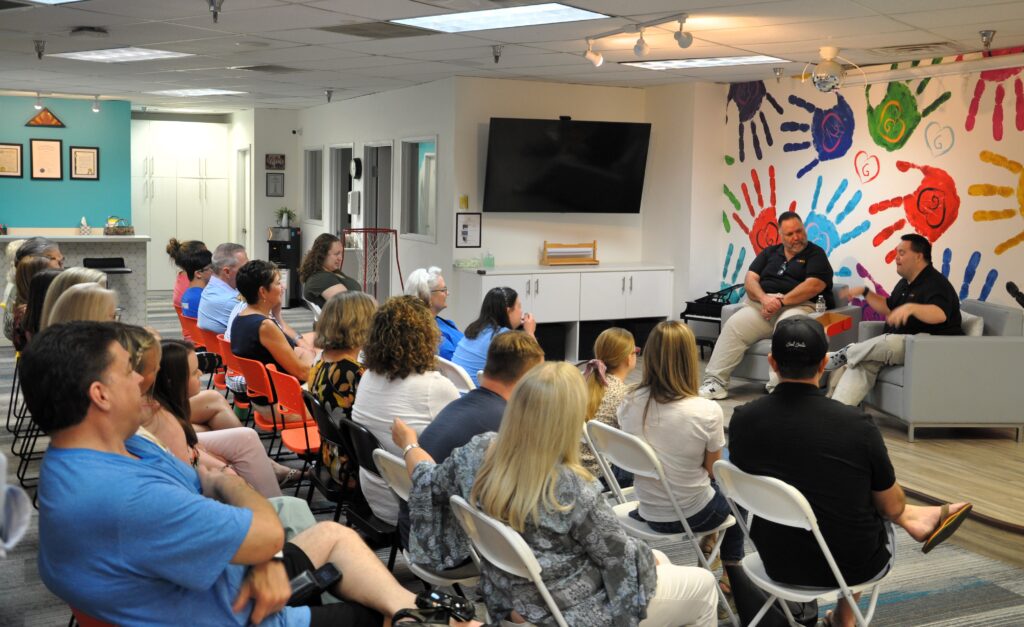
501, 311
428, 285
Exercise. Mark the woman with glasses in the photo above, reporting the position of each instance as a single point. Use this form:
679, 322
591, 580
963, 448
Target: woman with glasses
320, 271
501, 311
198, 270
428, 285
31, 247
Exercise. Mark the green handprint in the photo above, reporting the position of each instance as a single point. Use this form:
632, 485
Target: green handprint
893, 121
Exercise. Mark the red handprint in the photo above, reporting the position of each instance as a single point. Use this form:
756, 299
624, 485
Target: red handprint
765, 229
931, 209
998, 77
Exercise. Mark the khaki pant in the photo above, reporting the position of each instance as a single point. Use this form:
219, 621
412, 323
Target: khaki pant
741, 331
864, 360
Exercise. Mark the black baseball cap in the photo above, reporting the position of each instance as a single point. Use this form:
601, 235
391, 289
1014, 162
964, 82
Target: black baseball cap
799, 341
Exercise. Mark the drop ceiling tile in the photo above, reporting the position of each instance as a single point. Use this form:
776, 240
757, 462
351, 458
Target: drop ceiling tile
146, 34
379, 9
355, 62
169, 9
314, 35
233, 44
284, 56
55, 19
804, 31
403, 45
266, 19
994, 15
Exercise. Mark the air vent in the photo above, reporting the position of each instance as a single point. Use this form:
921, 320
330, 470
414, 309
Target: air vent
4, 5
377, 30
268, 69
916, 51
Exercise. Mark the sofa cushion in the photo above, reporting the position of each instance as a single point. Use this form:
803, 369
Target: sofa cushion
761, 348
973, 326
892, 374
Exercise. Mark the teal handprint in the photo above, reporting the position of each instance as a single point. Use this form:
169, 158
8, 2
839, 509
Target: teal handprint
822, 230
727, 281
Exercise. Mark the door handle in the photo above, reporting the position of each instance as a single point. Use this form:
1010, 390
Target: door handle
623, 284
152, 167
536, 286
152, 191
527, 287
630, 284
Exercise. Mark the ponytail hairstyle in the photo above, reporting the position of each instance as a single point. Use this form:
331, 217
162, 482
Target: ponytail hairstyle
178, 251
611, 349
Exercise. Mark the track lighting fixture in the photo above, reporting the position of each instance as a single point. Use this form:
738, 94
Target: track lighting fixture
96, 104
39, 102
594, 57
40, 46
683, 38
496, 52
641, 48
329, 93
986, 38
778, 74
215, 8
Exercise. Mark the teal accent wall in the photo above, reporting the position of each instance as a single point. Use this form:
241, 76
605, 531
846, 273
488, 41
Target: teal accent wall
26, 202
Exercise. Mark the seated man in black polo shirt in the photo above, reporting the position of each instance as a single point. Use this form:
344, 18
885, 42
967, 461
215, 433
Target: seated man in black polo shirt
783, 280
923, 301
835, 456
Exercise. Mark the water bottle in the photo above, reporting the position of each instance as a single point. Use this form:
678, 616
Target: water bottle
819, 305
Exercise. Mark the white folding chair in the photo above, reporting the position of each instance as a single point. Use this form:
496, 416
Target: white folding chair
500, 545
634, 455
455, 373
392, 468
313, 308
781, 503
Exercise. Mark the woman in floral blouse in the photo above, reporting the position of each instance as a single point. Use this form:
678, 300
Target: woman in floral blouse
528, 475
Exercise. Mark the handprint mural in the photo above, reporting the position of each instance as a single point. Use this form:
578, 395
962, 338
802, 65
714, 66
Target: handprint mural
892, 123
969, 273
999, 78
764, 231
930, 209
821, 229
831, 131
989, 189
749, 98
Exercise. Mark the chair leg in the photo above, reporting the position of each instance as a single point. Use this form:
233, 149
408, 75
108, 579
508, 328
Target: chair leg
392, 555
764, 610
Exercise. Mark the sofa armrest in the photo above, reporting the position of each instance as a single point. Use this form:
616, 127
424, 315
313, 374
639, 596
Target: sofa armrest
869, 329
729, 310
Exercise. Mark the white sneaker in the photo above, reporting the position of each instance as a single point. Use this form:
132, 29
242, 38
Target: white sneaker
713, 390
837, 359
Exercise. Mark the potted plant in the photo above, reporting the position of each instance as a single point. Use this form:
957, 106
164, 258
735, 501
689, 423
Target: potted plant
284, 216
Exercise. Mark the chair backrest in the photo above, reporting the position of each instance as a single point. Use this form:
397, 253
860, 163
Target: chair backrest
289, 391
190, 330
626, 451
456, 374
313, 308
394, 471
256, 378
503, 548
765, 497
999, 319
363, 442
84, 620
329, 431
208, 339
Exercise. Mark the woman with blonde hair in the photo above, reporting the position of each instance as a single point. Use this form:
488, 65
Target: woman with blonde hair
85, 301
529, 476
614, 358
341, 331
400, 380
428, 285
686, 432
67, 278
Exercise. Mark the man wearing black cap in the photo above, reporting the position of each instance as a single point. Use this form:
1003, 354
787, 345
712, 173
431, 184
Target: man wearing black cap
835, 456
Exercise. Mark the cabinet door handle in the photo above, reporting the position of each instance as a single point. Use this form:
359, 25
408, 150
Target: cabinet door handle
527, 287
536, 286
623, 284
152, 190
630, 284
152, 167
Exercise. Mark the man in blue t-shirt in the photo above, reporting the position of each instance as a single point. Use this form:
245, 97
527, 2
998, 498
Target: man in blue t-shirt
130, 535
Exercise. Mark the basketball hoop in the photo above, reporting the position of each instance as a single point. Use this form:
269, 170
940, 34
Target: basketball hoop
375, 243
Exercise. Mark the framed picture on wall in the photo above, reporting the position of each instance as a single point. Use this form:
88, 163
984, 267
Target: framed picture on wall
467, 230
274, 161
46, 159
275, 184
10, 160
85, 163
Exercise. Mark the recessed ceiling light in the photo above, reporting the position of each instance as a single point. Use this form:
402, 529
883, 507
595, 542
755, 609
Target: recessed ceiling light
533, 15
195, 93
677, 64
121, 55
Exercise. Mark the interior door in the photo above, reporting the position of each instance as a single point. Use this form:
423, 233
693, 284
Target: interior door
243, 199
163, 225
377, 198
215, 211
190, 210
341, 185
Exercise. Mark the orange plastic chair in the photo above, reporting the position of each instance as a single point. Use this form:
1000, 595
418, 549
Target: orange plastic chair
304, 439
258, 383
232, 365
209, 340
190, 329
84, 620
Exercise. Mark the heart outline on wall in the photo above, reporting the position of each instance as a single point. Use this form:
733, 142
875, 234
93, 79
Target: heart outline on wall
938, 138
867, 166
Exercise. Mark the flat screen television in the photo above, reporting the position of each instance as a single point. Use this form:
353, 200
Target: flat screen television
565, 166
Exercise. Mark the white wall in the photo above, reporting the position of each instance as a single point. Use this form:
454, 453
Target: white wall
273, 134
241, 133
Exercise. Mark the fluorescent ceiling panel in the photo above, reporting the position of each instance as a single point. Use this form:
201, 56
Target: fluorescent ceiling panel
511, 17
53, 1
679, 64
195, 93
120, 55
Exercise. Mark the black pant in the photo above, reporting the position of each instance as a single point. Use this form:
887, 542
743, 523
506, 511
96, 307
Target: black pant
342, 614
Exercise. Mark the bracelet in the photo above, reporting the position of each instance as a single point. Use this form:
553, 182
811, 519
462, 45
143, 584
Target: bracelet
409, 447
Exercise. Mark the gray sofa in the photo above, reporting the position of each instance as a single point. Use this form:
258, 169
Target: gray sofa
755, 363
971, 381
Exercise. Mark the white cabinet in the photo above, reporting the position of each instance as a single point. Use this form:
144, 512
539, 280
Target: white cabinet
649, 294
634, 294
549, 297
202, 150
154, 210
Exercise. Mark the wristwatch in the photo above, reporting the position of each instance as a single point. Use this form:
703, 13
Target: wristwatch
279, 556
409, 447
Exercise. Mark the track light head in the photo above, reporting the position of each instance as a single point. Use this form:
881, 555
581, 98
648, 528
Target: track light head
496, 53
778, 73
96, 104
594, 57
39, 102
986, 38
329, 93
40, 46
215, 8
683, 38
641, 48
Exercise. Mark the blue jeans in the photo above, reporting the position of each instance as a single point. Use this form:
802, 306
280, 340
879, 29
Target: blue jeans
712, 515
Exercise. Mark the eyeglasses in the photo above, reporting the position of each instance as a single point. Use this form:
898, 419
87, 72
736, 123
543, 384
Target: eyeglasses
782, 270
118, 312
443, 290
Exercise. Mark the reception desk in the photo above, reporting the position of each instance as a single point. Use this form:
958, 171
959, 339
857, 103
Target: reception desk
130, 288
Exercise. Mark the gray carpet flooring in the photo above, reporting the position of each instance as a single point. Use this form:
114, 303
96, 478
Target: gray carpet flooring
950, 587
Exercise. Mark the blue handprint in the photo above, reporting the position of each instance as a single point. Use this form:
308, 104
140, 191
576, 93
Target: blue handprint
748, 98
969, 272
736, 295
831, 131
820, 228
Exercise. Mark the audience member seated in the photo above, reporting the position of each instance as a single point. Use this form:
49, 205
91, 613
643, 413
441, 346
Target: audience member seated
342, 330
28, 267
220, 295
31, 247
923, 301
255, 333
11, 257
85, 301
320, 271
501, 311
529, 477
428, 285
178, 251
37, 289
835, 456
153, 540
687, 434
198, 269
60, 284
783, 280
615, 354
400, 380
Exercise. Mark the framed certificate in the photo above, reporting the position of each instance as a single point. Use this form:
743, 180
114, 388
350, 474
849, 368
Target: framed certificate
46, 159
275, 184
467, 230
85, 163
10, 160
